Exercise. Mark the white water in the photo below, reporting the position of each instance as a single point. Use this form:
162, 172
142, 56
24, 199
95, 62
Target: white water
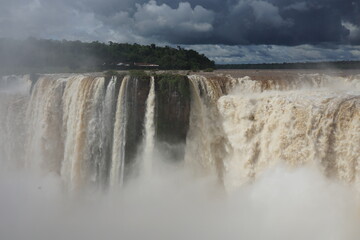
149, 133
70, 127
204, 129
205, 147
107, 130
118, 151
14, 97
312, 120
44, 125
81, 107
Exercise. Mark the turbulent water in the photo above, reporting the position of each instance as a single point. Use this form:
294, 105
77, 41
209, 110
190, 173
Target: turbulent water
76, 126
82, 130
314, 121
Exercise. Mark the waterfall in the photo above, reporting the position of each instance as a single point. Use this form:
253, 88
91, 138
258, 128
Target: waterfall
245, 126
315, 125
118, 150
107, 130
81, 111
14, 98
44, 148
88, 130
149, 131
205, 131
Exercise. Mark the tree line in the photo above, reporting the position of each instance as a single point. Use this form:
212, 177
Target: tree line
40, 55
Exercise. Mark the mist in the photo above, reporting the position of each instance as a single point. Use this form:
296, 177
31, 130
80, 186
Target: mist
282, 204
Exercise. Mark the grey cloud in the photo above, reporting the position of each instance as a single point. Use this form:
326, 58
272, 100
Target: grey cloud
354, 30
279, 22
177, 25
223, 54
266, 13
46, 19
272, 30
298, 6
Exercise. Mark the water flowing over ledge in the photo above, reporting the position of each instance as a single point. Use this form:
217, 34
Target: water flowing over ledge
97, 132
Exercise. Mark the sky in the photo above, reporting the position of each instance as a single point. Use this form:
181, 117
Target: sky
227, 31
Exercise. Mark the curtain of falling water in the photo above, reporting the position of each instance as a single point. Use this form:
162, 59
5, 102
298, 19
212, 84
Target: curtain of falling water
69, 126
118, 151
14, 98
44, 148
149, 133
205, 130
81, 111
107, 132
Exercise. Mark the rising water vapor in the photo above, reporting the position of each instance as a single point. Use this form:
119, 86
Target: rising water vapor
282, 204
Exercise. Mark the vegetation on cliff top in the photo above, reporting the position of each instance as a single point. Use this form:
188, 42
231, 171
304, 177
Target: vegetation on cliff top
33, 55
169, 82
173, 107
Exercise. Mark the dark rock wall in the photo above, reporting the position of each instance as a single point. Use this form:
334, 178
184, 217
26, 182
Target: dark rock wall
172, 113
137, 93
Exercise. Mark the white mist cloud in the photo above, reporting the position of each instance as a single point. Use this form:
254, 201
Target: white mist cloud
282, 204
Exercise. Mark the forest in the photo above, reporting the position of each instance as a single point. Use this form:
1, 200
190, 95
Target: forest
49, 56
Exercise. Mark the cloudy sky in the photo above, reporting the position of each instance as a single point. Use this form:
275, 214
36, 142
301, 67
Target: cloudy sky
227, 31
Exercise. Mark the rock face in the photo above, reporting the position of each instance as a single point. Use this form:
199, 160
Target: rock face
172, 114
137, 92
172, 108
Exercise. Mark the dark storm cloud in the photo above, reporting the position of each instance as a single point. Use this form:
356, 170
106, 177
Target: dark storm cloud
230, 22
226, 30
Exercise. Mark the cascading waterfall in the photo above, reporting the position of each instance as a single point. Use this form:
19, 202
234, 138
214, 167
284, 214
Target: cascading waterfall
83, 127
44, 146
107, 131
312, 119
314, 125
14, 98
149, 131
81, 104
203, 126
118, 150
205, 131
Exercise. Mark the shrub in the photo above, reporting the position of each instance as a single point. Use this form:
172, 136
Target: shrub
110, 73
208, 70
140, 74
